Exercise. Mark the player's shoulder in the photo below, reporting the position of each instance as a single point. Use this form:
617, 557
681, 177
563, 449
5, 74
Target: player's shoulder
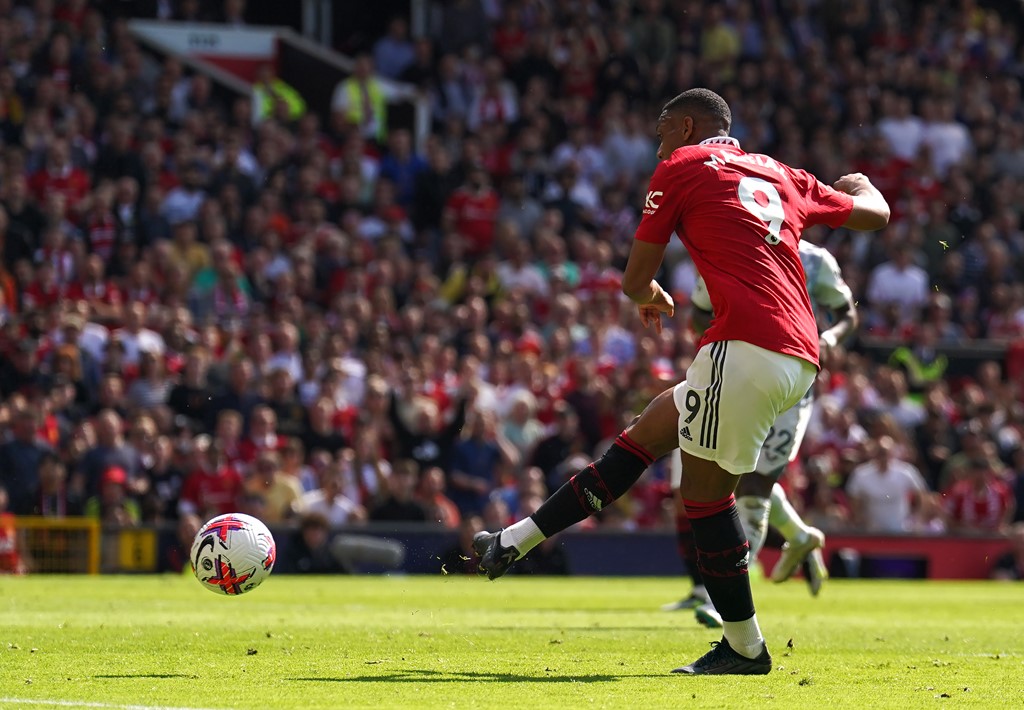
690, 156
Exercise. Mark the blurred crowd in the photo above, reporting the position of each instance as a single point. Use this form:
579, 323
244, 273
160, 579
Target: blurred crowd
209, 307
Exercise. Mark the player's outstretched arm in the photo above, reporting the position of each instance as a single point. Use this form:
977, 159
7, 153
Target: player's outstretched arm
870, 210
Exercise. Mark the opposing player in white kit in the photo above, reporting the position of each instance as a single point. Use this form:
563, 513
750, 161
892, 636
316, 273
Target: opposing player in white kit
760, 499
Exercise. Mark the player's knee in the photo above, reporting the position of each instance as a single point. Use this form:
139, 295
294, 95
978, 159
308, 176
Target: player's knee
705, 480
655, 428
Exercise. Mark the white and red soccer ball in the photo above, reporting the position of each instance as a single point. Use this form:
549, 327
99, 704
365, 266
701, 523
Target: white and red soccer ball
232, 554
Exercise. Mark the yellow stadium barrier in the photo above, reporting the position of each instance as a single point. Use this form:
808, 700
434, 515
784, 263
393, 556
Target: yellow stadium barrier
60, 545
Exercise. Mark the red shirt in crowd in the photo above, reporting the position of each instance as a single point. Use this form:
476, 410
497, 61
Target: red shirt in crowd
475, 215
740, 216
102, 292
213, 492
249, 449
983, 509
10, 561
70, 182
509, 43
37, 295
101, 235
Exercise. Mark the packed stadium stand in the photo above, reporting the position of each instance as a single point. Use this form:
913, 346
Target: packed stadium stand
296, 306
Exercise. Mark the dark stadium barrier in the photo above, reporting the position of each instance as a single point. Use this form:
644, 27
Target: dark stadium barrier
600, 553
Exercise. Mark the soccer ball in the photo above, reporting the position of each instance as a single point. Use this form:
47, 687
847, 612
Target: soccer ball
232, 554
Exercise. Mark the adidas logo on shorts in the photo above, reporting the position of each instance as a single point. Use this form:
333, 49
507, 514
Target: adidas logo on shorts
685, 433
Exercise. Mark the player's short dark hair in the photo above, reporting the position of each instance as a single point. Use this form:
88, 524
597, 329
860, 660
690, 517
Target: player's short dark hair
703, 102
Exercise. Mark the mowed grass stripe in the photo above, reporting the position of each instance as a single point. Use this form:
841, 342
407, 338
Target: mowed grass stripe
463, 642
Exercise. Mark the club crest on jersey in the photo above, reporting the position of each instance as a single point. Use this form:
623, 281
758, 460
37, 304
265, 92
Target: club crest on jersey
650, 205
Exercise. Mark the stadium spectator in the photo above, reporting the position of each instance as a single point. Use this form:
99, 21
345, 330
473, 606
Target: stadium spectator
425, 439
11, 560
520, 427
190, 395
479, 459
20, 370
152, 386
321, 430
885, 491
20, 460
182, 203
59, 176
399, 503
394, 52
240, 393
293, 464
364, 467
310, 549
262, 436
980, 502
135, 337
899, 283
329, 501
164, 482
176, 557
275, 98
431, 492
127, 176
53, 492
113, 506
564, 440
472, 212
212, 487
360, 101
110, 451
277, 491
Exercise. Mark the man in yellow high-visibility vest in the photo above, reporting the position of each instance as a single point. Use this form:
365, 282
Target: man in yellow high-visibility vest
361, 100
268, 91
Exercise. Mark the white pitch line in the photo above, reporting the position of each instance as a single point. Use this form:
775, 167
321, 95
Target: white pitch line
84, 704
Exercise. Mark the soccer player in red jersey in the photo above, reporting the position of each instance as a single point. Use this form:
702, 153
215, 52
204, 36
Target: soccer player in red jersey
740, 216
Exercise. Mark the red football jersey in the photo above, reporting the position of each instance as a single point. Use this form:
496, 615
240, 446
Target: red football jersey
475, 217
979, 509
740, 216
217, 492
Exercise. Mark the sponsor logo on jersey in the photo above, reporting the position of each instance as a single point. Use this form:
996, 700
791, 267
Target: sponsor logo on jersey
685, 433
651, 205
594, 501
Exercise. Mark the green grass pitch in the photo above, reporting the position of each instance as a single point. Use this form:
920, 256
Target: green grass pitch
424, 642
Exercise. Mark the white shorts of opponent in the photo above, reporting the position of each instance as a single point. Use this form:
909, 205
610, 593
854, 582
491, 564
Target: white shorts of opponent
785, 437
733, 394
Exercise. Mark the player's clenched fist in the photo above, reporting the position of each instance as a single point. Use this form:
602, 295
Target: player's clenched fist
852, 183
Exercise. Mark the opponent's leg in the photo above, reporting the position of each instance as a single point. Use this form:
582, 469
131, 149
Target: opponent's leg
803, 543
684, 540
650, 436
753, 499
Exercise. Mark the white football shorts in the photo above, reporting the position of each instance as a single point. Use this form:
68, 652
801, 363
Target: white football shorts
785, 437
732, 395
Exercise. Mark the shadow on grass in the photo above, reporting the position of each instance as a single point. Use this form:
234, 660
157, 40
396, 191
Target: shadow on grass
585, 629
148, 675
428, 676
